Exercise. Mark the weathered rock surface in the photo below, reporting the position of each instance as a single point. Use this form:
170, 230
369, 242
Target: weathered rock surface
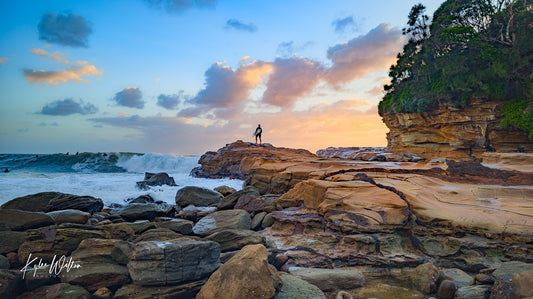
246, 275
93, 276
139, 211
220, 220
155, 179
11, 283
424, 278
473, 292
157, 234
454, 133
381, 290
11, 240
165, 263
197, 196
103, 251
294, 287
69, 216
54, 201
58, 291
234, 239
23, 220
186, 290
331, 279
229, 201
180, 226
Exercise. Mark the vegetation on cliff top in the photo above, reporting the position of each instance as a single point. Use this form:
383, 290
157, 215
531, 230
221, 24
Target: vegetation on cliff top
470, 49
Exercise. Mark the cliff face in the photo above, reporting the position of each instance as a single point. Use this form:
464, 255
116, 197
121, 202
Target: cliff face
454, 133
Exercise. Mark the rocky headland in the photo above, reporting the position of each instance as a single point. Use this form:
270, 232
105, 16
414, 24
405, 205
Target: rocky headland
346, 223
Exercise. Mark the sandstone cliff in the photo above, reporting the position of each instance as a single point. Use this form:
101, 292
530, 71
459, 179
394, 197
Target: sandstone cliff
459, 133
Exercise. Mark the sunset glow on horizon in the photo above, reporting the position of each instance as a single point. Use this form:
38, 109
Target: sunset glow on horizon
153, 76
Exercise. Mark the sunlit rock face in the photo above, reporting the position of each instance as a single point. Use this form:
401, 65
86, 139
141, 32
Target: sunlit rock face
459, 133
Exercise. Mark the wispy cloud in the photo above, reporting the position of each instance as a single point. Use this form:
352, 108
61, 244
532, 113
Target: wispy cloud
75, 74
57, 56
344, 24
67, 30
238, 25
68, 107
287, 49
180, 6
129, 97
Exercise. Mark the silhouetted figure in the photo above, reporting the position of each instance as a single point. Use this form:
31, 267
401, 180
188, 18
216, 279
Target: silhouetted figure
36, 156
257, 134
105, 154
77, 153
7, 170
67, 154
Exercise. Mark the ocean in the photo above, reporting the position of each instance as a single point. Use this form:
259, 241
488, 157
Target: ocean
109, 176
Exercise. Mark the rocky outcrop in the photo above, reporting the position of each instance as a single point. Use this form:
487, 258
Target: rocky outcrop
155, 179
459, 133
235, 159
54, 201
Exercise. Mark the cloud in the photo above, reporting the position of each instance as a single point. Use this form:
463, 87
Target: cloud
226, 89
170, 101
364, 54
179, 6
55, 77
67, 30
287, 49
56, 56
342, 25
68, 107
291, 79
129, 97
238, 25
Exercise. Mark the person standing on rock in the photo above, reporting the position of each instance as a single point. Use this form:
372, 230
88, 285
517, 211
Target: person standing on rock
257, 134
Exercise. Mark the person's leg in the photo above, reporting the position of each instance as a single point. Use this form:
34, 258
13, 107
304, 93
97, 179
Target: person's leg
260, 141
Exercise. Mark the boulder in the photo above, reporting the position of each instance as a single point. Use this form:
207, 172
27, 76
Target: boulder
424, 277
512, 267
246, 275
69, 216
4, 263
220, 220
473, 292
381, 290
225, 190
157, 234
141, 199
120, 231
250, 203
185, 290
267, 221
197, 196
229, 201
257, 220
60, 240
10, 240
180, 226
103, 251
39, 278
515, 285
53, 201
11, 283
155, 179
23, 220
234, 239
93, 276
447, 289
165, 263
460, 278
57, 291
138, 211
294, 287
331, 279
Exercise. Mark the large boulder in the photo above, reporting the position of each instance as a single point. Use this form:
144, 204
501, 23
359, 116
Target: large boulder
53, 201
294, 287
234, 239
246, 275
58, 291
103, 251
251, 203
221, 220
165, 263
180, 226
229, 201
69, 216
11, 240
424, 277
23, 220
185, 290
155, 179
331, 279
93, 276
157, 234
515, 285
512, 267
139, 211
458, 276
197, 196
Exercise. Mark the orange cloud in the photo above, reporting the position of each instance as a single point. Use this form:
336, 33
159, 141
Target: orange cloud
56, 77
57, 56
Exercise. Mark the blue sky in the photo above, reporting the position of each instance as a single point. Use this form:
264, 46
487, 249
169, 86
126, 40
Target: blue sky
187, 76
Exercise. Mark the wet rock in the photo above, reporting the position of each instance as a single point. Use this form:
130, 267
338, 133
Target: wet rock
234, 239
22, 220
225, 190
103, 251
11, 283
331, 279
185, 290
229, 201
155, 179
54, 201
257, 220
69, 216
220, 220
138, 211
473, 292
165, 263
447, 289
95, 276
141, 199
381, 290
11, 240
197, 196
180, 226
246, 275
58, 291
424, 278
158, 234
294, 287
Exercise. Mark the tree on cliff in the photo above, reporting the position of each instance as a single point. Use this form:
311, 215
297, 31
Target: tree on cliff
471, 49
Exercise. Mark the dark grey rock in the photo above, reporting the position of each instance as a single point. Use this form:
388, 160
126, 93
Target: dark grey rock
234, 239
54, 201
230, 201
197, 196
140, 211
155, 179
23, 220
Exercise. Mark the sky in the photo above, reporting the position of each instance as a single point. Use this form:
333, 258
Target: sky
183, 77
